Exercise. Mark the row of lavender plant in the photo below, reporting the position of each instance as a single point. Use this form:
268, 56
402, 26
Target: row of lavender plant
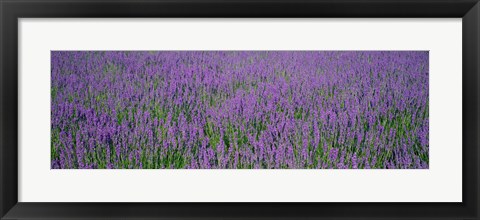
239, 109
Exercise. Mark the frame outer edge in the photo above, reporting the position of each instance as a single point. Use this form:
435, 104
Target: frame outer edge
7, 200
476, 69
8, 107
2, 213
477, 214
3, 207
471, 113
477, 57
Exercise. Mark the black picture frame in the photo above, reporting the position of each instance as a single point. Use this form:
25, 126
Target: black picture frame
11, 10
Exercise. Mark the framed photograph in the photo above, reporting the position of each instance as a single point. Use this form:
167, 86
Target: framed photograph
203, 109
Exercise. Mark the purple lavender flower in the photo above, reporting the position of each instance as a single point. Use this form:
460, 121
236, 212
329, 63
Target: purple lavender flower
239, 110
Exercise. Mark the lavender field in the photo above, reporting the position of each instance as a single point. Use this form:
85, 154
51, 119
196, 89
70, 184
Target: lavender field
239, 110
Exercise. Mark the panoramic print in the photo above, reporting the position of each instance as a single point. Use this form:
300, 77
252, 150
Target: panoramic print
239, 110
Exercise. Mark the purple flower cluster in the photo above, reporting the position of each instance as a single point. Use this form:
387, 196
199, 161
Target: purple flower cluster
239, 110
